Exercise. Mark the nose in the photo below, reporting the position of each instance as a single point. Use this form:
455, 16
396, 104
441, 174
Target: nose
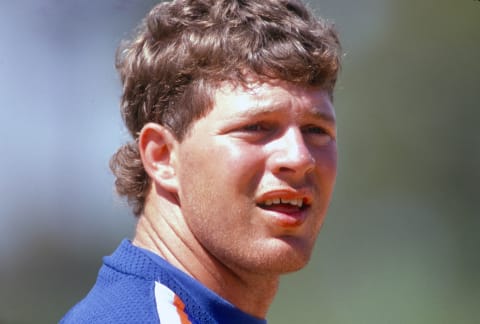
291, 154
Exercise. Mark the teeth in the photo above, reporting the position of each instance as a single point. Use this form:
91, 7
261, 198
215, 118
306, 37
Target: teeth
276, 201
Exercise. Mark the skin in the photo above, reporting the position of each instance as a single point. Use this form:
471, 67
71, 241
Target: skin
208, 211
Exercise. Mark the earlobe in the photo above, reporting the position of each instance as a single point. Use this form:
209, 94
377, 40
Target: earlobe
156, 145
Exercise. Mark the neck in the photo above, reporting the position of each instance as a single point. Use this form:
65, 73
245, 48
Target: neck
164, 232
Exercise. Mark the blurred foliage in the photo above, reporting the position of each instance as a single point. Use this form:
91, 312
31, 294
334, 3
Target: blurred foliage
401, 242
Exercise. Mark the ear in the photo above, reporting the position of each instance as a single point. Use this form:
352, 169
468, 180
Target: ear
156, 145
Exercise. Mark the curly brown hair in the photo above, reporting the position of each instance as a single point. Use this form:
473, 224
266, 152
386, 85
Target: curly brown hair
185, 48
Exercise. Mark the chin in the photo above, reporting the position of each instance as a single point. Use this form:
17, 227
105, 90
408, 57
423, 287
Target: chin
291, 267
294, 262
282, 257
282, 265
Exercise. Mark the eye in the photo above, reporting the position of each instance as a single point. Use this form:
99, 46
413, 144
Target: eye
255, 131
317, 135
311, 129
258, 127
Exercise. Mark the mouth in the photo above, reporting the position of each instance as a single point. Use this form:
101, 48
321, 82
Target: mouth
286, 209
285, 205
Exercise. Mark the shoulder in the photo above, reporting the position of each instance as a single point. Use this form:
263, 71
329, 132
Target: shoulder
126, 300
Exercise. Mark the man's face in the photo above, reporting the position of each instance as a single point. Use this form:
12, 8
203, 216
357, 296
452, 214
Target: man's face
256, 175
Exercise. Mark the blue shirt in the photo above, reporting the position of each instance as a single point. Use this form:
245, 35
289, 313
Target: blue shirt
138, 286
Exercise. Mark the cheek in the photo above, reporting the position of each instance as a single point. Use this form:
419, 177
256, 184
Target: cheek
240, 164
219, 169
327, 161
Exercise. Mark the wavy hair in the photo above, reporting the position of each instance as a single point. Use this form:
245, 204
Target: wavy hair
183, 49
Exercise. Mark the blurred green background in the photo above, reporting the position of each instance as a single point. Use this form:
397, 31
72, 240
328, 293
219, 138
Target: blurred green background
401, 243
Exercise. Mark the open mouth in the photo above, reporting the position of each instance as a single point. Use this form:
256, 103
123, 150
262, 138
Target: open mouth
283, 205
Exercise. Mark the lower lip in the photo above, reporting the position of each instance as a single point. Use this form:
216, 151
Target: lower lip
287, 219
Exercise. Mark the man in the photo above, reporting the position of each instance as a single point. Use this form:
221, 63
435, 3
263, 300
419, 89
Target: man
232, 163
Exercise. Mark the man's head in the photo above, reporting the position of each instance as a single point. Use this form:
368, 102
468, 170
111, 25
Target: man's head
186, 50
253, 177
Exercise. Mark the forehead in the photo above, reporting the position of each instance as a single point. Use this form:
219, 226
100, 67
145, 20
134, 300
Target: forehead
276, 96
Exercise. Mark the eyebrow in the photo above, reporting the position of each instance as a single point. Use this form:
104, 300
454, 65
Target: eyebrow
327, 117
315, 113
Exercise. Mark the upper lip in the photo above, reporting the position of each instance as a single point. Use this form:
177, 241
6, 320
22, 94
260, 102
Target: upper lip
287, 194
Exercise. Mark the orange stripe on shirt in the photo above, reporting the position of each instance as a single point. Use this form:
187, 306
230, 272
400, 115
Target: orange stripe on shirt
181, 310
